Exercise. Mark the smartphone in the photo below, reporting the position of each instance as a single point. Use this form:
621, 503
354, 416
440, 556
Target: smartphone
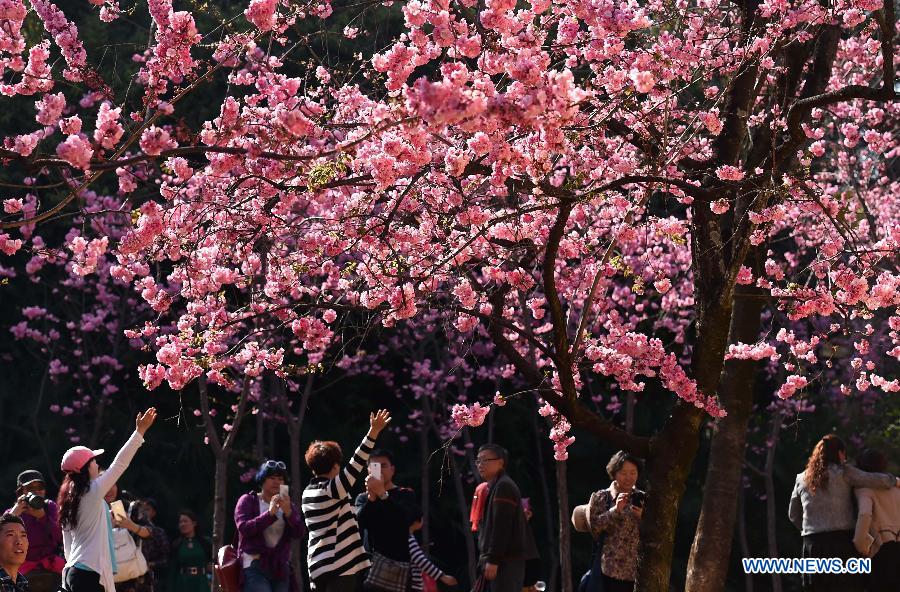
118, 509
284, 491
375, 470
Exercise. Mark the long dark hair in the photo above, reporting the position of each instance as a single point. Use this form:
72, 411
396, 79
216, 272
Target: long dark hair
73, 488
826, 453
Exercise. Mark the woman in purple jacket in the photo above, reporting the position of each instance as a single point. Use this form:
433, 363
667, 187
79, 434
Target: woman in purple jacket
266, 522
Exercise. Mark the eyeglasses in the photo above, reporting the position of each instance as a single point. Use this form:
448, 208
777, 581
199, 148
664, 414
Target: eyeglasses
481, 461
274, 464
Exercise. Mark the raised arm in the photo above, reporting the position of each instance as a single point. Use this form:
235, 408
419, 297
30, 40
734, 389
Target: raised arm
859, 478
247, 518
143, 421
341, 485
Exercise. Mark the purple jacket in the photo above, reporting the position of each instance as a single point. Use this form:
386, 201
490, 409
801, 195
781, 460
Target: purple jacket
274, 562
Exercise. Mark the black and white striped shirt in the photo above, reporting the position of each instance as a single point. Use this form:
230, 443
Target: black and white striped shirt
335, 546
420, 563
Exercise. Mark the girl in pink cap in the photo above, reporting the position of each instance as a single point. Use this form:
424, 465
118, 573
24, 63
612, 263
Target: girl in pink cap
84, 515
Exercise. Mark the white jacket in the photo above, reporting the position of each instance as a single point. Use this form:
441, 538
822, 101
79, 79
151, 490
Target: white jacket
88, 544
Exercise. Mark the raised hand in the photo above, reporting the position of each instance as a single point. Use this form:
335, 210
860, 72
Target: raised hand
378, 421
145, 420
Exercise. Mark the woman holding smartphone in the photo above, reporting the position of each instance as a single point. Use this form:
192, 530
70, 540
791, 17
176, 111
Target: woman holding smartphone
84, 514
266, 521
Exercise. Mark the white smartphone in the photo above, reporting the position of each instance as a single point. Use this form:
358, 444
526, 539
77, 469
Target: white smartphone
118, 509
284, 491
375, 470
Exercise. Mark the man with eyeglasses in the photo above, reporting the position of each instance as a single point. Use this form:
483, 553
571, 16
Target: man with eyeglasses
504, 543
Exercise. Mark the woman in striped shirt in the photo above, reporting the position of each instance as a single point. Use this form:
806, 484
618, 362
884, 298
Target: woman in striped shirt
336, 556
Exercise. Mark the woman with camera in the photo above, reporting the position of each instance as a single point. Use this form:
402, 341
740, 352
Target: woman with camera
85, 516
41, 517
616, 512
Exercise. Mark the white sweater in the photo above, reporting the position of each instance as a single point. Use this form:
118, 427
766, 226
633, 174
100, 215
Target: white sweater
88, 544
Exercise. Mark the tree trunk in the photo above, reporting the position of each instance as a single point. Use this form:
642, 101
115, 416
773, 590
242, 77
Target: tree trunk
565, 527
548, 505
742, 536
673, 449
425, 487
221, 451
295, 425
769, 478
220, 514
711, 551
464, 516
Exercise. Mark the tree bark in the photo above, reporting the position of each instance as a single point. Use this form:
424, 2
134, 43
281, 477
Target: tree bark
672, 451
221, 451
742, 536
769, 478
295, 425
548, 505
711, 551
565, 526
425, 485
471, 553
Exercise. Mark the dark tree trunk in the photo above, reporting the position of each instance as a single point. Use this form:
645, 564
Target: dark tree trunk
711, 551
565, 526
222, 452
742, 536
548, 504
672, 451
220, 493
771, 510
461, 498
425, 487
295, 426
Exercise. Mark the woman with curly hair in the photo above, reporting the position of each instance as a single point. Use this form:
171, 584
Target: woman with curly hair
822, 508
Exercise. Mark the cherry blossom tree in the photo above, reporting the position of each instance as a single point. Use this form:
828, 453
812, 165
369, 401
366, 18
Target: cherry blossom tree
588, 183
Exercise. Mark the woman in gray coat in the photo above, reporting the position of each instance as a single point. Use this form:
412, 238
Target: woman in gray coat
822, 508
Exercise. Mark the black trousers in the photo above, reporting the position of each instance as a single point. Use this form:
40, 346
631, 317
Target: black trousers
885, 576
334, 583
837, 543
81, 580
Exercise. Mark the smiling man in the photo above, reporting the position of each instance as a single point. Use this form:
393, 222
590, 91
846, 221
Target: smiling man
13, 550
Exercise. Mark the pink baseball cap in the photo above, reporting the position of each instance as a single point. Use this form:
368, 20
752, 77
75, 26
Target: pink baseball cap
77, 456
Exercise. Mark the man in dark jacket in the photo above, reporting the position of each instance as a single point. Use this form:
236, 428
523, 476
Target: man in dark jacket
385, 511
504, 540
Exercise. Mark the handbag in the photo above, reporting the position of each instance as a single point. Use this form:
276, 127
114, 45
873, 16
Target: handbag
130, 561
227, 569
387, 575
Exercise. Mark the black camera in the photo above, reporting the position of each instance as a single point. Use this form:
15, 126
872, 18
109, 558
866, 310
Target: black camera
35, 501
637, 498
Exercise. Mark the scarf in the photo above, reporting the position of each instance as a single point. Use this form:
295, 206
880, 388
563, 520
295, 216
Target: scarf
479, 502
